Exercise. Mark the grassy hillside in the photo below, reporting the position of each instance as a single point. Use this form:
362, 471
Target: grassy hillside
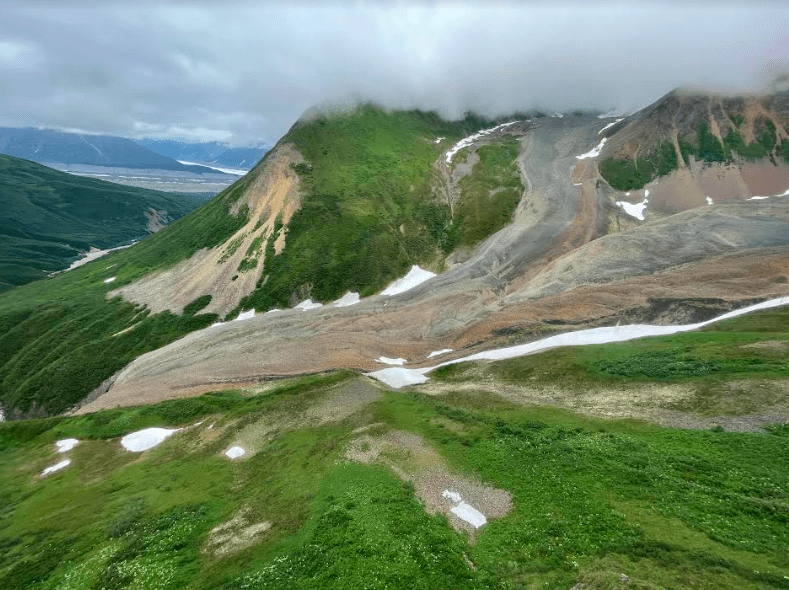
60, 337
48, 217
370, 208
601, 503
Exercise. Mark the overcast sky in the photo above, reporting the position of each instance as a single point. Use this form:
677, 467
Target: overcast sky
243, 73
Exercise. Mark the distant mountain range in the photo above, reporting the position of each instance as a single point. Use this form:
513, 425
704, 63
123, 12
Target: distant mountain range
47, 146
211, 153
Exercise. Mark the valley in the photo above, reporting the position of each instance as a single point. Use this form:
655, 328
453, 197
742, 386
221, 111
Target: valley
406, 352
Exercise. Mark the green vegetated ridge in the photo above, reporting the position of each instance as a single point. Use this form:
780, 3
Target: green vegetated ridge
60, 337
370, 206
634, 173
592, 500
48, 217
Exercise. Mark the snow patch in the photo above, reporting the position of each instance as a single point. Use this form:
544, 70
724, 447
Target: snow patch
470, 514
467, 141
235, 452
415, 276
610, 125
110, 280
439, 139
350, 298
142, 440
56, 467
439, 352
65, 445
463, 510
594, 152
454, 496
784, 194
308, 304
246, 315
634, 210
401, 377
272, 310
709, 201
387, 361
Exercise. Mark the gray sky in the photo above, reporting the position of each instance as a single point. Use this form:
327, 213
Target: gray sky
243, 73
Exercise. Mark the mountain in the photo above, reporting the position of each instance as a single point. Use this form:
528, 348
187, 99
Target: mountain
208, 153
412, 353
48, 146
49, 217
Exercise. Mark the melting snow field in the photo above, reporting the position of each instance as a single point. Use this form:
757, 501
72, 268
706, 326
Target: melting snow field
235, 452
610, 125
308, 304
416, 276
439, 352
463, 510
637, 210
784, 194
400, 377
350, 298
594, 152
467, 141
387, 361
65, 445
709, 201
246, 315
142, 440
55, 467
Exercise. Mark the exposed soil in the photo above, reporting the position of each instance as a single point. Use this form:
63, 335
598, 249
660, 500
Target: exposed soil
215, 272
551, 270
414, 461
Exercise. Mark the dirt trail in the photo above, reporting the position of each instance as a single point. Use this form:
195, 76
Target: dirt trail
546, 270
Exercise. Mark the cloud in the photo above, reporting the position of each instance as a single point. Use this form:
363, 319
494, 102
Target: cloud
245, 72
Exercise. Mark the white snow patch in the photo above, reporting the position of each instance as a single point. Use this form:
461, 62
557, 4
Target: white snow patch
387, 361
235, 452
110, 280
709, 201
212, 425
627, 194
784, 194
400, 377
198, 423
65, 445
439, 352
246, 315
350, 298
646, 194
2, 414
308, 304
470, 514
439, 139
467, 141
454, 496
142, 440
55, 467
214, 325
634, 210
757, 198
272, 310
610, 125
415, 276
594, 152
557, 115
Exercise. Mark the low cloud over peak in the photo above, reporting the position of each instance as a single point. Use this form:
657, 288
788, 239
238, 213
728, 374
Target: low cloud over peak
243, 73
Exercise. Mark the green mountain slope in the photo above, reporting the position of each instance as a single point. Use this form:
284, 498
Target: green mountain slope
341, 485
61, 337
372, 205
48, 217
